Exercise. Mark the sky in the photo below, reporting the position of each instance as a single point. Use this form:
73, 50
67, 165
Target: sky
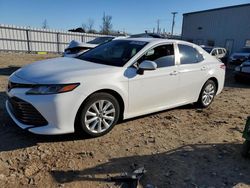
132, 16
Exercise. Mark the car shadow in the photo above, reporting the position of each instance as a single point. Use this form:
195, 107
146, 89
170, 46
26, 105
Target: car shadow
197, 165
13, 137
184, 107
8, 70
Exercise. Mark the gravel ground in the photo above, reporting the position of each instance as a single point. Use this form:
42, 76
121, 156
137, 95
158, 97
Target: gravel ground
182, 147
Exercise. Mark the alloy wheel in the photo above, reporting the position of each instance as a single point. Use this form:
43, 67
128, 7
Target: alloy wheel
100, 116
208, 94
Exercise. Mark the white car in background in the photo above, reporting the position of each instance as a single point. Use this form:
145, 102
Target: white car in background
218, 52
76, 48
120, 79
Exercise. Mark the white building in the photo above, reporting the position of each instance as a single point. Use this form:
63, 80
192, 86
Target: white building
227, 27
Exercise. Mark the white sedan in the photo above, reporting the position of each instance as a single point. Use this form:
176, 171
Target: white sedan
120, 79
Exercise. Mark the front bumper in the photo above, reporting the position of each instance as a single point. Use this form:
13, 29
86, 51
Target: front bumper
59, 110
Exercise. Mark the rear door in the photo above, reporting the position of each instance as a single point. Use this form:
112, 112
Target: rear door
192, 70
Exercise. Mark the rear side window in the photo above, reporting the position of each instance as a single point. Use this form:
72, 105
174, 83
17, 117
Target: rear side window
189, 55
220, 51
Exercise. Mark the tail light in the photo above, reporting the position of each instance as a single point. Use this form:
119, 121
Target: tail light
223, 66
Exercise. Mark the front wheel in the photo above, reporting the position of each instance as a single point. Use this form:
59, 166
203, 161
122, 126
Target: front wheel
207, 94
99, 114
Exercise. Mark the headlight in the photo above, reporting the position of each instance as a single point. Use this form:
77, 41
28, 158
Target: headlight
51, 89
237, 69
231, 57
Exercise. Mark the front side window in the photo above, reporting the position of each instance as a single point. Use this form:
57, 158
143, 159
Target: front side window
189, 55
162, 55
214, 52
114, 53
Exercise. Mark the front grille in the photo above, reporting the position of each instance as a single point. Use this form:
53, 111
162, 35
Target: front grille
26, 113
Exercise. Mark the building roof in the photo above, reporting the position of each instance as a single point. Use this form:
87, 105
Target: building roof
215, 9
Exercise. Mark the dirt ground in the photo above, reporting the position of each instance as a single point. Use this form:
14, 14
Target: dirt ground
182, 147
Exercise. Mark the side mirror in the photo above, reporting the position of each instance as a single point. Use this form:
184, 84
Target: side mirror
146, 65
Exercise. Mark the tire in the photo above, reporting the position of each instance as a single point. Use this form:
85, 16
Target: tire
245, 149
207, 94
94, 120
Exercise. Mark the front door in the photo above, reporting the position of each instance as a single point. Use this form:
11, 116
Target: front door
157, 89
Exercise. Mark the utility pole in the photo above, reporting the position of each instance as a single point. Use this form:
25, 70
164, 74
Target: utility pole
173, 23
158, 26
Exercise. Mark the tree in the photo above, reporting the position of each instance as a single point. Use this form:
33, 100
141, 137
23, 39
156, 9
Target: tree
106, 27
84, 27
79, 30
90, 25
45, 24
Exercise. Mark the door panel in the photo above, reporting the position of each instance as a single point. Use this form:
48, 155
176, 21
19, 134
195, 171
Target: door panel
191, 80
192, 70
153, 90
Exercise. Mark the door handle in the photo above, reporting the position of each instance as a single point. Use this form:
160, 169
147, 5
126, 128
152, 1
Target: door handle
174, 73
203, 68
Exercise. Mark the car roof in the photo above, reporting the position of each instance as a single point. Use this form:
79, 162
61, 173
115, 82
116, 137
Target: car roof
147, 35
158, 40
211, 47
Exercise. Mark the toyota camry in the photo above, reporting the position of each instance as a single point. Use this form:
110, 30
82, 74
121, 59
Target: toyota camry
117, 80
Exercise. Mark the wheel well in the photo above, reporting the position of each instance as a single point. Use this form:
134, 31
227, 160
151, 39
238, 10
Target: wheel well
215, 81
109, 91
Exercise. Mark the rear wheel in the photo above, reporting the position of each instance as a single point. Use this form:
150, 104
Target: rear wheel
99, 114
207, 94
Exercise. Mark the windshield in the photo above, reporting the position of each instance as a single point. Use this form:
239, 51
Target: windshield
245, 50
115, 53
207, 49
100, 40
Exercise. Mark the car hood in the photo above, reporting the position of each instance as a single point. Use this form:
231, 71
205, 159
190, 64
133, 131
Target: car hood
246, 63
61, 70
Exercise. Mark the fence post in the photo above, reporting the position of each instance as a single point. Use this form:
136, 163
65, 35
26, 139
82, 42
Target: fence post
28, 40
58, 42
